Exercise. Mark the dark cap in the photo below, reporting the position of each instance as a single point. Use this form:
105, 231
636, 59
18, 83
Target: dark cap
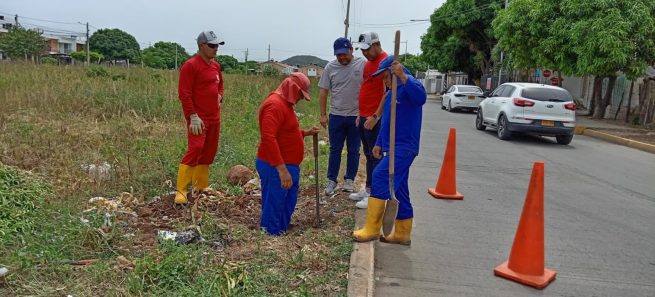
342, 46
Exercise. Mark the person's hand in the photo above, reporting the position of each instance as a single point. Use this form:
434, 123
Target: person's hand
220, 98
312, 131
377, 152
370, 123
324, 121
285, 177
397, 69
195, 124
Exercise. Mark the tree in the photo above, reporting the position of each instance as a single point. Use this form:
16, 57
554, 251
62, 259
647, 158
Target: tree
21, 43
581, 37
115, 44
227, 62
460, 37
93, 56
162, 55
413, 63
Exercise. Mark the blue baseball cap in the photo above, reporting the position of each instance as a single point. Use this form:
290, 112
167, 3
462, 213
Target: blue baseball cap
385, 64
342, 46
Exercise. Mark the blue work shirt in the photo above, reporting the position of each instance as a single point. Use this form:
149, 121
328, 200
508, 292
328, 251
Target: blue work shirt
410, 98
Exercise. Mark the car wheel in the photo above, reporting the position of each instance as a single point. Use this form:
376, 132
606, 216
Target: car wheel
503, 132
479, 124
564, 139
450, 107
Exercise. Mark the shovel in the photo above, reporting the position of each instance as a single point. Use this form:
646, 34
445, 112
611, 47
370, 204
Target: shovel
391, 208
317, 222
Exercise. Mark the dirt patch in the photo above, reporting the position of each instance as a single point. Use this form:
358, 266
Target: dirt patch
645, 136
235, 212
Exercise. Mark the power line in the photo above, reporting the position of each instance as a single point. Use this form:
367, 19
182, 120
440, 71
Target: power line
42, 20
46, 28
410, 23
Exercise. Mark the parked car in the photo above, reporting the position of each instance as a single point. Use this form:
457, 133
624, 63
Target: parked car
461, 97
528, 108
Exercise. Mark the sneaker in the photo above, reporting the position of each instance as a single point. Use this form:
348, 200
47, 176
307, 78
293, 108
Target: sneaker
359, 195
362, 204
330, 187
349, 185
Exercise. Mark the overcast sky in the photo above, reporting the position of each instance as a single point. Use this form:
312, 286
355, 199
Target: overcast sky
291, 27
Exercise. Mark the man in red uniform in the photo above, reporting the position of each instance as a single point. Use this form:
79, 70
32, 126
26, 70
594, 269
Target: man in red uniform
280, 152
200, 91
370, 95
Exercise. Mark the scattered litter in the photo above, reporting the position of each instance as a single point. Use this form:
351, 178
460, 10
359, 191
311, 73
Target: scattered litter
83, 262
124, 263
104, 203
311, 176
107, 223
191, 235
185, 237
252, 185
98, 172
84, 221
166, 235
3, 271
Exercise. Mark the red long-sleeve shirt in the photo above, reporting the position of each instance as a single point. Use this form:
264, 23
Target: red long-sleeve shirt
281, 137
199, 86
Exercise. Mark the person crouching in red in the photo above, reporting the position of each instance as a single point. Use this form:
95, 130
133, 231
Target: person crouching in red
280, 152
200, 91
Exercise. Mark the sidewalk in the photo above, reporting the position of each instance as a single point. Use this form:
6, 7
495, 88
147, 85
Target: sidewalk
616, 132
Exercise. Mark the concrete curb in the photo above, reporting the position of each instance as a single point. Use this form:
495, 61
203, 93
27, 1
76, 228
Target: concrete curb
616, 139
362, 263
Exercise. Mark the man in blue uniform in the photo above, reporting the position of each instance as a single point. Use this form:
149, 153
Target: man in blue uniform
409, 111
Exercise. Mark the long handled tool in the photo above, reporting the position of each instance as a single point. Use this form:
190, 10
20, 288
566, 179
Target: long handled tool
318, 218
391, 209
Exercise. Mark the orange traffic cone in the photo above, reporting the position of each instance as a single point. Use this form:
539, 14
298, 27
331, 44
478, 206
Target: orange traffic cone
526, 260
446, 187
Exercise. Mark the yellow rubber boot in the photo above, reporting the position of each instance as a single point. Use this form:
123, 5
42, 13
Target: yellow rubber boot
371, 229
184, 174
200, 179
402, 232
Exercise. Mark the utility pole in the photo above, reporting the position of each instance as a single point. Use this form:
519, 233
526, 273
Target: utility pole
347, 21
246, 62
269, 52
16, 20
88, 57
405, 59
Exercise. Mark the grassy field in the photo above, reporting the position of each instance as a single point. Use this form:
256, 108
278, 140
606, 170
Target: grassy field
54, 120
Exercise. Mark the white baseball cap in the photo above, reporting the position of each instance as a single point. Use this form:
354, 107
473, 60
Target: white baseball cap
366, 39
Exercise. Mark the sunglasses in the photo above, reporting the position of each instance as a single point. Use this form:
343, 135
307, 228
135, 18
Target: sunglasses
211, 45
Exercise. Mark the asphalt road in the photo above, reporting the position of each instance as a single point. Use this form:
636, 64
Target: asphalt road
599, 216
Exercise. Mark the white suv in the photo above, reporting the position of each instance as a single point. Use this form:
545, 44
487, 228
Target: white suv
531, 108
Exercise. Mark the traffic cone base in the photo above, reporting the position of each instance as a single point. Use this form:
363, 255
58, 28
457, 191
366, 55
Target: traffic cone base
537, 281
435, 194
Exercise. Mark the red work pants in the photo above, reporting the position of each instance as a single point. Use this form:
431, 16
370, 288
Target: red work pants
202, 148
